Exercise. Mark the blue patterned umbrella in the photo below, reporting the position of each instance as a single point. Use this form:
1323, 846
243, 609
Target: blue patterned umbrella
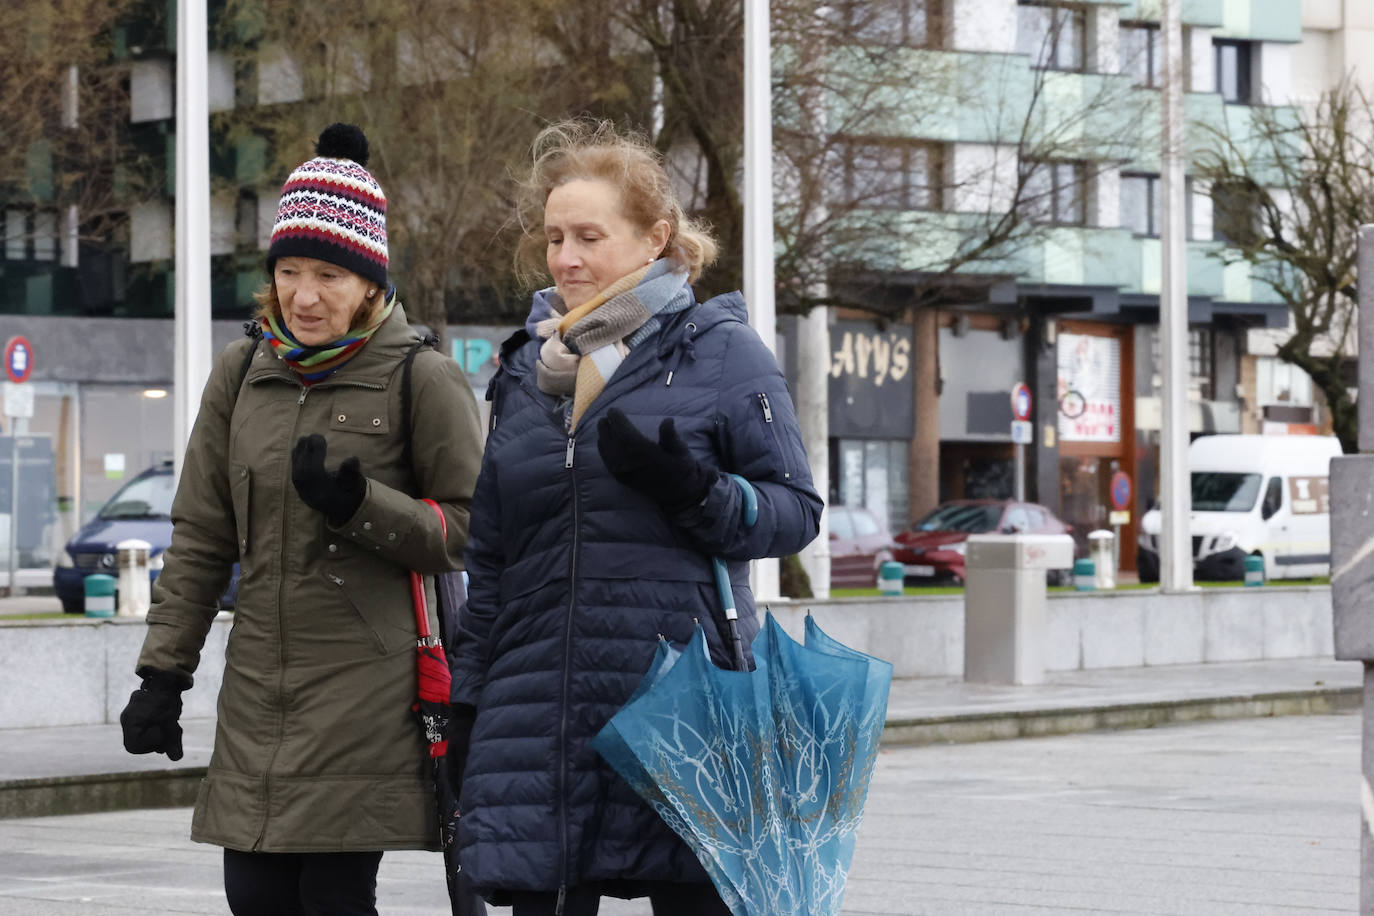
764, 773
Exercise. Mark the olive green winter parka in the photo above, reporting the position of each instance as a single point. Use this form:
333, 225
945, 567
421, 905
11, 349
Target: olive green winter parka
316, 747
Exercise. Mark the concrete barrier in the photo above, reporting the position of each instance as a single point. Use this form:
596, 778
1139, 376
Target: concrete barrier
924, 637
80, 671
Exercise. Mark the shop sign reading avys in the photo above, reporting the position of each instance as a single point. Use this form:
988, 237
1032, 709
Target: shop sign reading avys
871, 393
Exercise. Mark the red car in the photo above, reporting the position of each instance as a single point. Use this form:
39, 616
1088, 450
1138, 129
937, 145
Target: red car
859, 544
934, 547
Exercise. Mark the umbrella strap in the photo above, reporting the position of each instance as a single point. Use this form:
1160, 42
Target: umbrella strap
417, 587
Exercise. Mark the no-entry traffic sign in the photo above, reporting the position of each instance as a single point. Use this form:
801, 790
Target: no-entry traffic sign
18, 359
1020, 401
1121, 491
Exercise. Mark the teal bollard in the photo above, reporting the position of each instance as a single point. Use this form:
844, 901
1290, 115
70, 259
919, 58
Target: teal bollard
100, 595
1084, 574
890, 576
1254, 570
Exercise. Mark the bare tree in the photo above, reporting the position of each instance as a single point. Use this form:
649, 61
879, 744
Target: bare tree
68, 171
851, 79
1289, 195
450, 92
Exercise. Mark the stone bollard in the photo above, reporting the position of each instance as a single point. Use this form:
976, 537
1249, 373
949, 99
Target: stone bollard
1004, 605
135, 591
1352, 559
1102, 548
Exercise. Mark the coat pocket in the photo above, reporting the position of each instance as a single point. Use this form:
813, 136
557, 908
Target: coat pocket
362, 602
364, 412
773, 433
241, 492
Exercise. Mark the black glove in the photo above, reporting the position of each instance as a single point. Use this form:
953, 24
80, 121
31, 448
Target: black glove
663, 470
460, 722
337, 495
150, 718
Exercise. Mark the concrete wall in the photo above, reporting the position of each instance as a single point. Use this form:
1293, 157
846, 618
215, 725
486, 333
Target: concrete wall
924, 637
79, 671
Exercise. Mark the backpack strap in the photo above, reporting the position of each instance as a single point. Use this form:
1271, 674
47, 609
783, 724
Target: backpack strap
253, 330
429, 340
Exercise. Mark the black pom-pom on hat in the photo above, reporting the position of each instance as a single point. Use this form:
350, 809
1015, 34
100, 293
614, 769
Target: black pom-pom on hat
343, 141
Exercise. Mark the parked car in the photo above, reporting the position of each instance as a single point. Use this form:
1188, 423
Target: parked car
859, 544
141, 509
934, 548
1264, 496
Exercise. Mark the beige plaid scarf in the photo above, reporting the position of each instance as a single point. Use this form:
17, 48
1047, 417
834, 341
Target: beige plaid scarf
586, 345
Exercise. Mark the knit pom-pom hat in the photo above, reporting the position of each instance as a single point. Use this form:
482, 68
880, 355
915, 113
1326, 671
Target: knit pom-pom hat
332, 209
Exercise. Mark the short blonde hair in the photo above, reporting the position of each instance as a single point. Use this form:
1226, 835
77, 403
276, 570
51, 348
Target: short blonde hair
583, 148
268, 305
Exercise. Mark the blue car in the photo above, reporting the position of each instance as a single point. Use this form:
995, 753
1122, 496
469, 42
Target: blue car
141, 509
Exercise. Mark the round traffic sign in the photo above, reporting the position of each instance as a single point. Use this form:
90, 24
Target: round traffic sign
18, 358
1020, 401
1121, 491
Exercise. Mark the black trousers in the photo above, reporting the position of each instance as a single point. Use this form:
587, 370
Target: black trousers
301, 883
669, 900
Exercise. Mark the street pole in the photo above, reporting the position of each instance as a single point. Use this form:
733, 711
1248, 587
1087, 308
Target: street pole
13, 558
813, 415
1175, 557
758, 209
1020, 472
191, 345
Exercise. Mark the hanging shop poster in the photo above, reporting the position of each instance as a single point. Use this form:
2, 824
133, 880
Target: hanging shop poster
1089, 388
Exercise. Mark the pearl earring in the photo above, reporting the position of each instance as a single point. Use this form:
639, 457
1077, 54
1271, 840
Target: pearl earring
371, 293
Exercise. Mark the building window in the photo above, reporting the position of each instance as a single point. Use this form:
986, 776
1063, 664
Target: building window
1140, 204
30, 235
892, 175
1233, 70
1235, 218
913, 23
1200, 360
1142, 54
1053, 192
1052, 35
1278, 382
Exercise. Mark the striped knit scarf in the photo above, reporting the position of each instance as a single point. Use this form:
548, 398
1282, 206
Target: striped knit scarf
315, 364
586, 345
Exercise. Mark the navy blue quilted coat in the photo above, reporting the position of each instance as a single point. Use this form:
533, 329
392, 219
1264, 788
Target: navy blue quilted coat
573, 576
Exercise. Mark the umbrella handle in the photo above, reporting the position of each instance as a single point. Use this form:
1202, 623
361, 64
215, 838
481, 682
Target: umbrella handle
749, 509
417, 584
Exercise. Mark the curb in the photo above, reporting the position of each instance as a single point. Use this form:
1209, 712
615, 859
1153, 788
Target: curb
178, 787
45, 797
996, 726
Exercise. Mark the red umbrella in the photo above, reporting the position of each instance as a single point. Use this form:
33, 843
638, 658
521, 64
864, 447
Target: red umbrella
434, 707
433, 677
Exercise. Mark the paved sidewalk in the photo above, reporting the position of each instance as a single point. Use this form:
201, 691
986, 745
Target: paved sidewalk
85, 768
1252, 817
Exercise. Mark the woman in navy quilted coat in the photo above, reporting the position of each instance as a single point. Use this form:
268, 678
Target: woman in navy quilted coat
616, 416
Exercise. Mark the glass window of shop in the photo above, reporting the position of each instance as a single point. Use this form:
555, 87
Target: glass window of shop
124, 430
47, 447
872, 473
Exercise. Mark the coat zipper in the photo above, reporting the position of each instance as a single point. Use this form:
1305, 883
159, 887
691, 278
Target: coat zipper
567, 677
281, 651
777, 443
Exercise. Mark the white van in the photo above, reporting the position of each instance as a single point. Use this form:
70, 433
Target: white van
1264, 495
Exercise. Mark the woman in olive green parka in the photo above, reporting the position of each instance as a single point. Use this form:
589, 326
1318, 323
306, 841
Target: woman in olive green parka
298, 469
